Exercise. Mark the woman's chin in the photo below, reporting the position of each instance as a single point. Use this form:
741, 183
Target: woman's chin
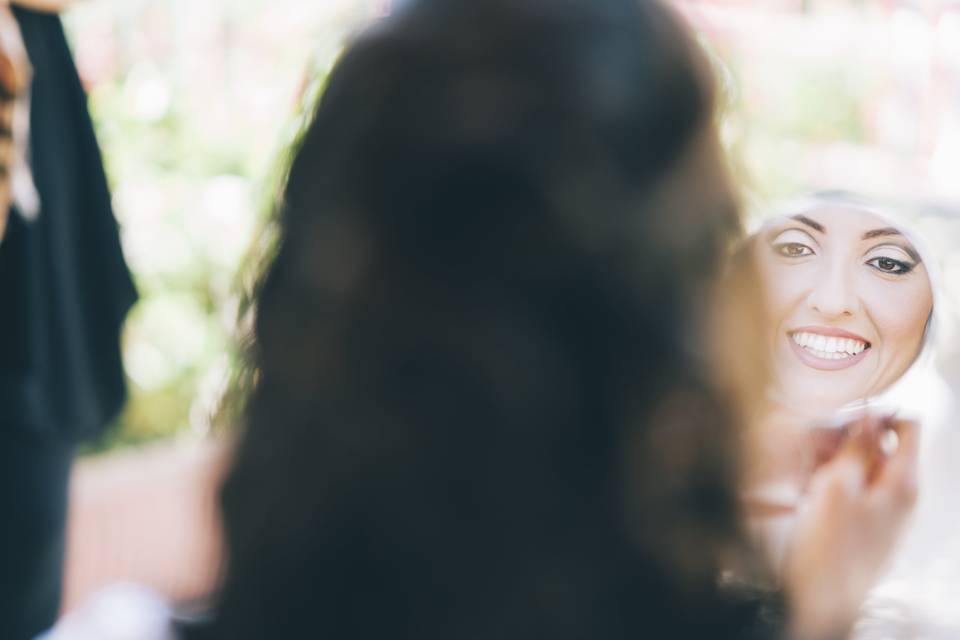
814, 396
818, 390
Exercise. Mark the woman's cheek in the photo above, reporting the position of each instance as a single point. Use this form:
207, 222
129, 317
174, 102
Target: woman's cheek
787, 288
900, 312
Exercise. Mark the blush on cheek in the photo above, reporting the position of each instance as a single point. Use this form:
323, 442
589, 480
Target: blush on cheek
907, 327
900, 314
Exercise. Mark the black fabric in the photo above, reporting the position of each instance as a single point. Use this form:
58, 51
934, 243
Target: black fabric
34, 471
64, 286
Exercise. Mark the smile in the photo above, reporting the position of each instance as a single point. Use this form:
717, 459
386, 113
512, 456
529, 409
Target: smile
828, 349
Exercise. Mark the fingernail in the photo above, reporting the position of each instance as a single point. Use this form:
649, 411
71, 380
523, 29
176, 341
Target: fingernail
856, 428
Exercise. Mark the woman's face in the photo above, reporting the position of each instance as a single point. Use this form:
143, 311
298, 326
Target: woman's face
849, 303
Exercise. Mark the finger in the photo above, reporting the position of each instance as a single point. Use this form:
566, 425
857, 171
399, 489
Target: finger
826, 442
10, 80
909, 434
846, 474
866, 434
897, 480
6, 160
6, 148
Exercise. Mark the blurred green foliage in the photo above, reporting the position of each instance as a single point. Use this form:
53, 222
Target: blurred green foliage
195, 105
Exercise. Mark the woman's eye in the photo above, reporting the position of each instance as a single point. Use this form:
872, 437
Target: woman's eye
793, 250
889, 265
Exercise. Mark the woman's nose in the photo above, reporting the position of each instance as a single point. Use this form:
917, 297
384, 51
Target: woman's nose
834, 295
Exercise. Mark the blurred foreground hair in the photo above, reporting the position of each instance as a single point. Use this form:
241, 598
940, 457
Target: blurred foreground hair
483, 407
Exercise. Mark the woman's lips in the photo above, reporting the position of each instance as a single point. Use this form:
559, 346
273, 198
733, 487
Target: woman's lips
827, 348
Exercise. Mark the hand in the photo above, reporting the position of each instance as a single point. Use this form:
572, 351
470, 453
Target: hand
15, 75
847, 527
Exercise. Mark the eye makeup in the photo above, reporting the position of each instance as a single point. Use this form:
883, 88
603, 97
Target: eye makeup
892, 259
792, 243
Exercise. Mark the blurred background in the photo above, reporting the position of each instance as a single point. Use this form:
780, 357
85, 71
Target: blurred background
196, 103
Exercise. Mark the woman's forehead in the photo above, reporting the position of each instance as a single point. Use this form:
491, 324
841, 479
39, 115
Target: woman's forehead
844, 224
839, 219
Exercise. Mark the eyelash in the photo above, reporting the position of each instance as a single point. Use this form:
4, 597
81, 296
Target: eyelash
900, 268
784, 249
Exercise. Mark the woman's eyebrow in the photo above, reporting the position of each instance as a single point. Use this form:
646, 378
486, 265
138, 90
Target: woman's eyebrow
876, 233
891, 231
810, 223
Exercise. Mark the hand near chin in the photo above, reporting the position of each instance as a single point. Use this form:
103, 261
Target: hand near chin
847, 526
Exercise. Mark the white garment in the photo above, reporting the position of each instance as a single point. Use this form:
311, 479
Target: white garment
119, 612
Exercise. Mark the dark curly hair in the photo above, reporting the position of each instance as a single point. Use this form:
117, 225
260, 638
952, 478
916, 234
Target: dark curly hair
482, 405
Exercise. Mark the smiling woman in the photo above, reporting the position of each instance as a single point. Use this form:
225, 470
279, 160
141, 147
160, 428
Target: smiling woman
850, 307
850, 303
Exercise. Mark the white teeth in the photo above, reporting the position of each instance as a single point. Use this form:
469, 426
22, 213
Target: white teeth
828, 347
